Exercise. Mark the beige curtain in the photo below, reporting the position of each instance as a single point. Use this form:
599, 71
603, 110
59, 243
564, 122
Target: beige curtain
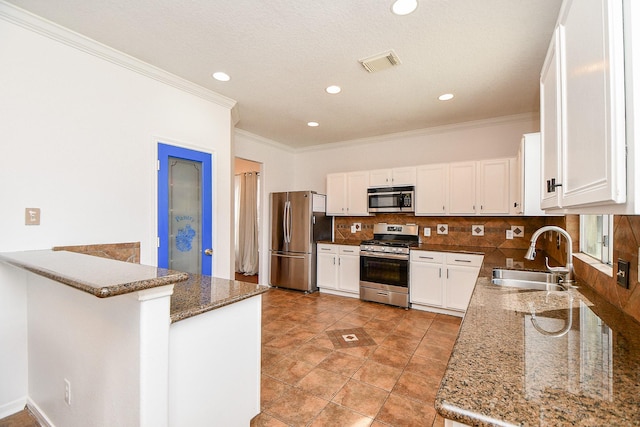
246, 232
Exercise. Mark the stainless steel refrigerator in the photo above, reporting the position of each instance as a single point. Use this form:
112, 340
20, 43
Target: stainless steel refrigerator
298, 221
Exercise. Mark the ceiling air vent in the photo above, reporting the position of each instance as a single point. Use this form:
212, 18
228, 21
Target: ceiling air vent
380, 62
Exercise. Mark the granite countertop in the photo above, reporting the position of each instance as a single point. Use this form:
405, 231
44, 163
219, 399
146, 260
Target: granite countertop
200, 294
341, 242
574, 361
101, 277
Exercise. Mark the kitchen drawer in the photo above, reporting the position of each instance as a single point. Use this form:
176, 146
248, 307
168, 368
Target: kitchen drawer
427, 256
324, 248
349, 250
469, 260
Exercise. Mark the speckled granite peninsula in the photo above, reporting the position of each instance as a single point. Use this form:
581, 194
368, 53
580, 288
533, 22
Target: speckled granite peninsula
177, 348
98, 276
537, 358
200, 294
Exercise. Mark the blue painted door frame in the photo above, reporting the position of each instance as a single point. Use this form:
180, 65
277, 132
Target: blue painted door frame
165, 152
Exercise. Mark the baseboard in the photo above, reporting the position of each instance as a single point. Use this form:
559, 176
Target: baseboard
39, 414
12, 407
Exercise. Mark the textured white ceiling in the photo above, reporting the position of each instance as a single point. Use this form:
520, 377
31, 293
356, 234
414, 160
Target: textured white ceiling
281, 54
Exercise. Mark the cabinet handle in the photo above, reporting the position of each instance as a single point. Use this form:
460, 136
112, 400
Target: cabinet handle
440, 273
325, 249
339, 261
425, 257
348, 251
462, 260
481, 207
551, 185
334, 260
443, 207
447, 273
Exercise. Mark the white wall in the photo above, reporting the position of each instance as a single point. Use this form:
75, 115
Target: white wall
91, 342
478, 140
276, 175
13, 337
79, 126
79, 136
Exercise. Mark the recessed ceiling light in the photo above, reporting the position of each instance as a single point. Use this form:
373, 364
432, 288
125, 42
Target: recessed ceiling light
404, 7
220, 76
333, 89
313, 124
445, 97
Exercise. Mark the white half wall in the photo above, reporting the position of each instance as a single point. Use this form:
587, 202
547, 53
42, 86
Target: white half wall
91, 342
79, 130
13, 340
478, 140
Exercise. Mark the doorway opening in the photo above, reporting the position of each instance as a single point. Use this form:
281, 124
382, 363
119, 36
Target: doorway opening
247, 219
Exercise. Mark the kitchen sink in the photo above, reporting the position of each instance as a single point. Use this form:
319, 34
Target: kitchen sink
524, 279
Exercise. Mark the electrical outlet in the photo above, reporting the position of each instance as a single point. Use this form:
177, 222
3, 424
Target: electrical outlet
622, 276
67, 392
427, 232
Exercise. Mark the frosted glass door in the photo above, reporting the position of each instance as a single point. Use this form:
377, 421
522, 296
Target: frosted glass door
185, 222
185, 217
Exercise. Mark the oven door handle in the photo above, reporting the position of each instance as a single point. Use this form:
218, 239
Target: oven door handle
383, 255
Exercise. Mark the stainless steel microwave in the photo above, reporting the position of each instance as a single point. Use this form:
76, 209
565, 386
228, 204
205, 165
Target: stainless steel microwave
391, 199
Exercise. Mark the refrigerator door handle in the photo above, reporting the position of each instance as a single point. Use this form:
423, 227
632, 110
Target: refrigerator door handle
285, 222
288, 256
290, 223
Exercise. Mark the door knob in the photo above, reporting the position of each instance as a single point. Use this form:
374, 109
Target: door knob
208, 252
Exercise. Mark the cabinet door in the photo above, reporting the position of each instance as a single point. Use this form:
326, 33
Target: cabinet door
493, 187
462, 188
426, 285
550, 123
327, 269
460, 282
380, 178
357, 185
336, 194
432, 189
403, 176
349, 273
593, 157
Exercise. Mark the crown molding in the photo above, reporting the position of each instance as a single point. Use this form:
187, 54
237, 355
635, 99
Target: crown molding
524, 117
265, 141
53, 31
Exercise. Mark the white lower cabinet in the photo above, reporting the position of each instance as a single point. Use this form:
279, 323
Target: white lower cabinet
338, 269
442, 281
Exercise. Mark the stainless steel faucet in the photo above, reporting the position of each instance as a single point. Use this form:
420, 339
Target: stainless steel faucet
567, 269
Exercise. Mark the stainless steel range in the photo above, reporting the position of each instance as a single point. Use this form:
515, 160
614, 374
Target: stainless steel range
384, 264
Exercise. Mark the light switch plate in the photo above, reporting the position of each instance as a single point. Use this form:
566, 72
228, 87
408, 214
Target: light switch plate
32, 216
426, 231
509, 234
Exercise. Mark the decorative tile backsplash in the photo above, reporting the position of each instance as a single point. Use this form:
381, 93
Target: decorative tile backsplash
465, 231
626, 244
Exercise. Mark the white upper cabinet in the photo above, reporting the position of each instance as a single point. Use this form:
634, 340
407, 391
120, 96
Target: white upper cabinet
493, 195
462, 188
528, 177
347, 193
583, 108
392, 177
432, 189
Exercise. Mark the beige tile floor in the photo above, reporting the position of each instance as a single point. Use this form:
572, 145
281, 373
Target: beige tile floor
307, 381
